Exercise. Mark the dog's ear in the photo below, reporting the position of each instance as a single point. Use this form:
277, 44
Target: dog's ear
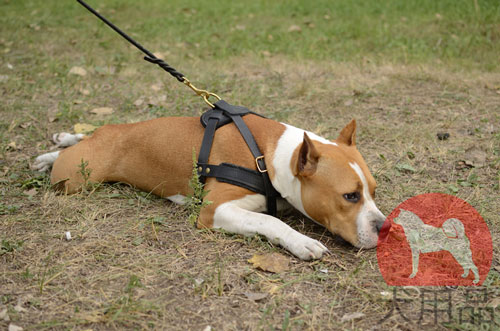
348, 134
307, 160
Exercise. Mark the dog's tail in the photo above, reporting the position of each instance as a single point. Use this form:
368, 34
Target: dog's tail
453, 228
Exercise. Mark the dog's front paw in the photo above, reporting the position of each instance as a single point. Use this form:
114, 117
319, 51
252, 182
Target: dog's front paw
305, 248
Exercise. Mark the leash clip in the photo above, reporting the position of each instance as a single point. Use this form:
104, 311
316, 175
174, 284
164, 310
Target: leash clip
203, 93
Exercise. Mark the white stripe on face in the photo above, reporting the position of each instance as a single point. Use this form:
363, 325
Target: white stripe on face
369, 213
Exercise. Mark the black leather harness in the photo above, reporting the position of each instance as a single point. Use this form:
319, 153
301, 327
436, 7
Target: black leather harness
256, 181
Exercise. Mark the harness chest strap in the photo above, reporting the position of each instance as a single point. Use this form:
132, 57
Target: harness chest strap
255, 181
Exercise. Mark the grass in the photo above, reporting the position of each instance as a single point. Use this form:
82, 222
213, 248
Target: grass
406, 70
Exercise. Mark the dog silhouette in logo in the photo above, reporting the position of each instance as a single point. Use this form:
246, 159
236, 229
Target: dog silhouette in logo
424, 238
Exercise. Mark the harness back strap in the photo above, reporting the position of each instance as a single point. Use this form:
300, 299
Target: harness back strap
256, 181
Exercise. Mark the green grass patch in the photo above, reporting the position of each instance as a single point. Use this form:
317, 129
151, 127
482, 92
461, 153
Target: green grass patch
463, 34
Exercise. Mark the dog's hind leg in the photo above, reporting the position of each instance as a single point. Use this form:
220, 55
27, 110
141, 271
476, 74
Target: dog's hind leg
45, 161
85, 160
64, 139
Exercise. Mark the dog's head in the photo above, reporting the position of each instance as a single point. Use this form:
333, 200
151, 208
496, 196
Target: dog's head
337, 189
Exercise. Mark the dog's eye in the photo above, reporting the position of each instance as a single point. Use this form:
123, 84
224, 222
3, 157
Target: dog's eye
352, 197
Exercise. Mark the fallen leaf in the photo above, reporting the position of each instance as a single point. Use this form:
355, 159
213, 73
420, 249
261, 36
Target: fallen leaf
475, 157
255, 296
266, 53
84, 128
77, 102
273, 262
31, 193
25, 125
78, 71
294, 28
351, 316
102, 111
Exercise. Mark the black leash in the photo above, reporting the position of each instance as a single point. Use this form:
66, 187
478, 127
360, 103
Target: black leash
220, 114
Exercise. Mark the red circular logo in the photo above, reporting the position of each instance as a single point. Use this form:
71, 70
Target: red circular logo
434, 239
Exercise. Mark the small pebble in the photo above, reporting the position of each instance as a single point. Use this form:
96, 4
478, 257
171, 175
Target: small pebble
67, 235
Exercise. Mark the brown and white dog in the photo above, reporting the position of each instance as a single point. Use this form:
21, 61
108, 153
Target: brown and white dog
328, 181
